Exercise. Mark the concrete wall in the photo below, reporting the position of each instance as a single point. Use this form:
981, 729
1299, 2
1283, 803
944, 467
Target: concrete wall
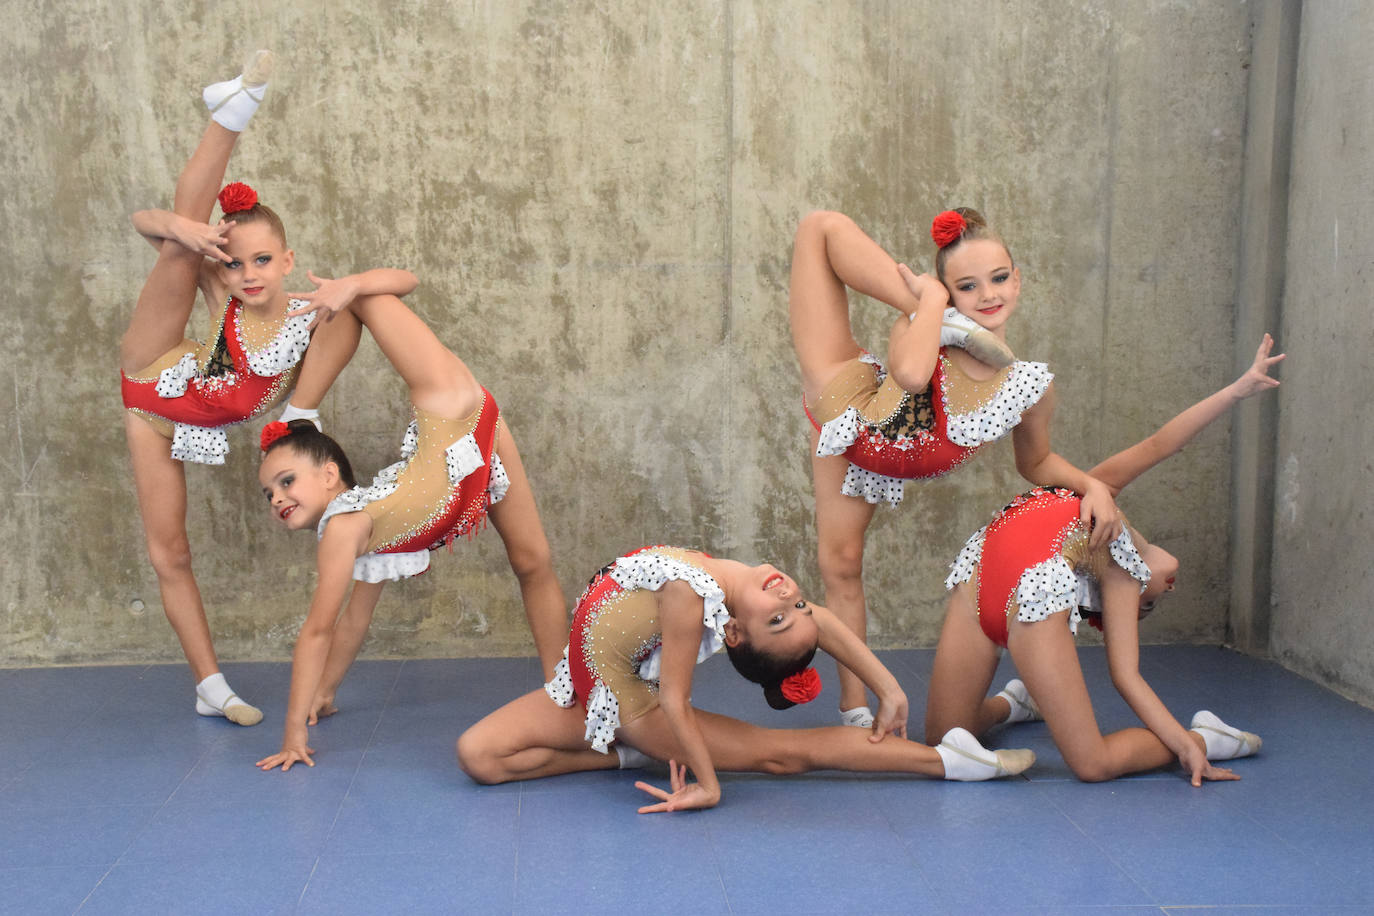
1324, 506
599, 199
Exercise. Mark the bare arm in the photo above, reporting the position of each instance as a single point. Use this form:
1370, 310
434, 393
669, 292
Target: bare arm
161, 226
1120, 626
1125, 466
680, 616
1037, 463
349, 632
841, 644
344, 538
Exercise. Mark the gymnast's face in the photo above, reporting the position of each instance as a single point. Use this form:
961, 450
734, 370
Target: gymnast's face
770, 614
1163, 571
297, 489
983, 283
259, 265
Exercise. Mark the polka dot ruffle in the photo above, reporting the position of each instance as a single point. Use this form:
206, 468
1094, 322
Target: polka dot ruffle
199, 444
1048, 588
871, 486
1024, 386
1128, 558
560, 689
286, 349
961, 570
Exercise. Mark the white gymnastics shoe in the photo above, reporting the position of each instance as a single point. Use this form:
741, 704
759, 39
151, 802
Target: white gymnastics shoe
1023, 708
958, 330
968, 761
233, 102
1223, 742
858, 717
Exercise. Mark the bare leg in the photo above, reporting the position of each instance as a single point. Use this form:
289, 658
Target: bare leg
168, 295
517, 521
1047, 659
530, 738
829, 254
741, 747
965, 662
841, 525
439, 382
160, 482
332, 345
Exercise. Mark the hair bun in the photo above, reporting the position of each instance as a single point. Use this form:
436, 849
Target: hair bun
947, 228
237, 197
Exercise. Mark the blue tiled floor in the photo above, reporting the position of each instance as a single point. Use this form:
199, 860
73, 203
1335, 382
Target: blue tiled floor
116, 798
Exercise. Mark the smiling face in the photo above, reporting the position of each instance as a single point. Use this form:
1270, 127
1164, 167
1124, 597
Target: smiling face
260, 263
297, 489
983, 282
769, 614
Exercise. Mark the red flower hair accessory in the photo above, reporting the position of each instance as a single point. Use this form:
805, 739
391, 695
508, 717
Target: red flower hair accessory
802, 687
272, 432
237, 197
947, 228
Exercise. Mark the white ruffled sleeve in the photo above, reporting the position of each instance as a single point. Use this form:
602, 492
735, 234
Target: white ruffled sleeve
1128, 558
499, 481
1024, 386
650, 571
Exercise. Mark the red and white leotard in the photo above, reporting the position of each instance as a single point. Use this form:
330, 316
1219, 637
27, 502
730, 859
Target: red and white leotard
613, 657
1033, 560
890, 435
448, 476
193, 391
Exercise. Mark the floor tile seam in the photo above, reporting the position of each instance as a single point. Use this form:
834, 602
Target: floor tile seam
95, 887
710, 836
362, 758
1312, 860
910, 850
305, 887
1116, 863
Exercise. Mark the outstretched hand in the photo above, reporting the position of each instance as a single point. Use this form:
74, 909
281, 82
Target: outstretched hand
329, 297
684, 795
1194, 760
287, 757
202, 238
1257, 377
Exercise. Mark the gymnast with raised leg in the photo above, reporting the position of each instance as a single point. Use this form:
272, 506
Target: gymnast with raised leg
950, 385
459, 464
180, 395
1024, 581
625, 682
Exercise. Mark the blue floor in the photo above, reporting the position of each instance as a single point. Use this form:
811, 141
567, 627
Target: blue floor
116, 798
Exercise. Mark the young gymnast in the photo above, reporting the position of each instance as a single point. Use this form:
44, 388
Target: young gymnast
638, 632
1022, 583
930, 408
459, 462
180, 394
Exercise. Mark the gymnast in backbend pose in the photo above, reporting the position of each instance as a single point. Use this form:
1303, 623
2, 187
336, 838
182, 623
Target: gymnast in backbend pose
1022, 583
625, 682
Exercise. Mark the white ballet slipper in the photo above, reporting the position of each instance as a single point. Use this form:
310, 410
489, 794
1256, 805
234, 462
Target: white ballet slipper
1023, 708
958, 330
858, 717
1223, 742
966, 760
233, 102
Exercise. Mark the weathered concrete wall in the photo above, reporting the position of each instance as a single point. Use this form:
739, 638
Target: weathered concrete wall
1324, 506
599, 199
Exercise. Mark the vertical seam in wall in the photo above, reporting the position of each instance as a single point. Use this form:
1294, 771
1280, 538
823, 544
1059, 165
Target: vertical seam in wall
729, 243
1108, 184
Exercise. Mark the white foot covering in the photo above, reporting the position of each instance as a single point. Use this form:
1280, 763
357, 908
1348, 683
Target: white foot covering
214, 698
233, 102
957, 330
968, 761
859, 717
292, 412
1023, 708
631, 759
1223, 742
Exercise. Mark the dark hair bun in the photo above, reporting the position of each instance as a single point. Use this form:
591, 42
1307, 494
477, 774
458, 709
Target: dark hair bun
773, 694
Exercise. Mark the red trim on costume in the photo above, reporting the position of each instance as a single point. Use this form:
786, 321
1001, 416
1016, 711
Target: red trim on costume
210, 400
910, 459
1028, 532
469, 500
